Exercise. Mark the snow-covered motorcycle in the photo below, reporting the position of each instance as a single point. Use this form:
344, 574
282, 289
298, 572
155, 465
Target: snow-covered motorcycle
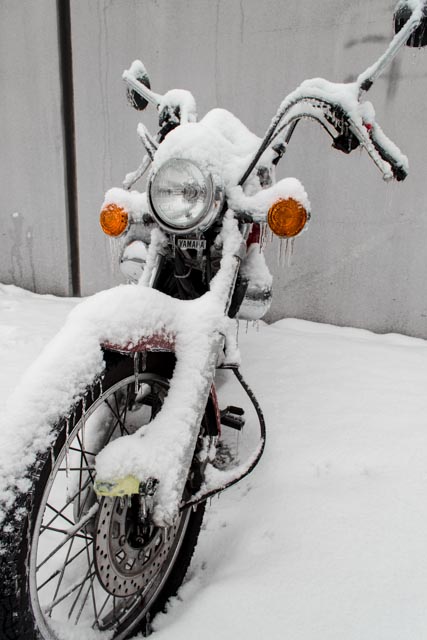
115, 432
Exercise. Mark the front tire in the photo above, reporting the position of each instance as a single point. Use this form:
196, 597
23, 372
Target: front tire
53, 583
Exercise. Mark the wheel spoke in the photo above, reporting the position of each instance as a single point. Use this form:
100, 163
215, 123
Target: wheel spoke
70, 533
69, 591
89, 453
67, 504
124, 413
91, 585
71, 581
78, 469
81, 585
58, 584
83, 456
61, 571
118, 419
82, 606
96, 623
65, 532
58, 513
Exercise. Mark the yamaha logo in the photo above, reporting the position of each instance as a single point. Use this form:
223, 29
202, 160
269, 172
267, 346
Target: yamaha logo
191, 243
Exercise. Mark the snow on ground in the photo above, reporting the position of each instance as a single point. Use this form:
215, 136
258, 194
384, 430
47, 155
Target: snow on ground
327, 538
27, 322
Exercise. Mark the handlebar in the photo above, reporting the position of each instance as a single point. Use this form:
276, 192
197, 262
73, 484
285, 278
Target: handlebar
352, 131
348, 122
336, 107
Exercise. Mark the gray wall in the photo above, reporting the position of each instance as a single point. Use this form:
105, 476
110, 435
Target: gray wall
33, 234
363, 258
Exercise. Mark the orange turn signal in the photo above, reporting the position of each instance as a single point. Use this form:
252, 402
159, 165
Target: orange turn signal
113, 220
287, 218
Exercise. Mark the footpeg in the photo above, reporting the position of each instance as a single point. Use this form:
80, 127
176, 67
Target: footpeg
232, 417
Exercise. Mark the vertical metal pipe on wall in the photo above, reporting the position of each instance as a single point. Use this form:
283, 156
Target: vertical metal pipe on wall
68, 121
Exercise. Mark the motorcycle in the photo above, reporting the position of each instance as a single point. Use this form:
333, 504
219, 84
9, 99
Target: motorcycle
118, 443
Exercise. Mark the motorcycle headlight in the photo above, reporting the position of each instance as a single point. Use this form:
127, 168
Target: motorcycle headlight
182, 197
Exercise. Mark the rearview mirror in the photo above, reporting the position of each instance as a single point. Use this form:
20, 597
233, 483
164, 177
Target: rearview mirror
402, 14
135, 100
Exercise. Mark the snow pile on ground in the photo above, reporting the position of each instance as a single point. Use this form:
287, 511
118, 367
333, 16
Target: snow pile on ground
326, 539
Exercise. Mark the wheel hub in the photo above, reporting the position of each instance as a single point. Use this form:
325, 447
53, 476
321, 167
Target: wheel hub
128, 553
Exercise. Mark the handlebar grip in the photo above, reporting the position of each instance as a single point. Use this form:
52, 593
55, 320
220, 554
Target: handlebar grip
389, 152
350, 134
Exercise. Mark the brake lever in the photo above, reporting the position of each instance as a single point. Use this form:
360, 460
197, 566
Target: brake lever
347, 142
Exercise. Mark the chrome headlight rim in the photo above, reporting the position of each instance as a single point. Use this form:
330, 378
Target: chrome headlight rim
211, 210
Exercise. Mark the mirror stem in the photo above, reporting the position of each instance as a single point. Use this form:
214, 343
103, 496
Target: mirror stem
368, 77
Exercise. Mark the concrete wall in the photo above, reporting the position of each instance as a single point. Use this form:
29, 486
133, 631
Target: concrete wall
33, 233
362, 261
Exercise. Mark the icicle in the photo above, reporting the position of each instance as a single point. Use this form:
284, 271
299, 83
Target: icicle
115, 251
263, 236
52, 460
238, 435
286, 250
67, 447
136, 368
282, 252
289, 251
83, 422
247, 326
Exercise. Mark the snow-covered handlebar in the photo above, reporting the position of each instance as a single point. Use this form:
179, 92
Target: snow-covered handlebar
338, 105
350, 124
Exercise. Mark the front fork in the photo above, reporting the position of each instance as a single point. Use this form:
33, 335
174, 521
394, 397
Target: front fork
130, 485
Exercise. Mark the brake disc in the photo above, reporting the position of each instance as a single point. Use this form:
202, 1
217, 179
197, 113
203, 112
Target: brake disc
126, 563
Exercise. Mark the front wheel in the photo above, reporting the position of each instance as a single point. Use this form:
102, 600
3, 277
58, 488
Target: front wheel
79, 567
